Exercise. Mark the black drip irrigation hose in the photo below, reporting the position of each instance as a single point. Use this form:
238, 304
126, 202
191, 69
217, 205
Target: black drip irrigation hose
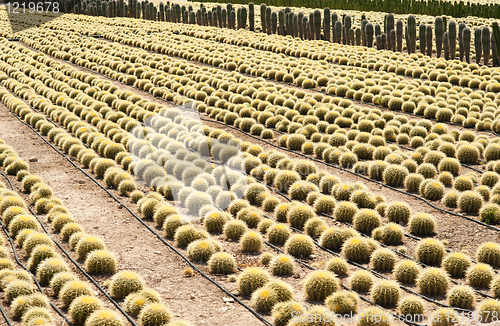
255, 313
59, 312
7, 320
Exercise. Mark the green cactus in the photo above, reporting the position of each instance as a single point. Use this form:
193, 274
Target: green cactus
318, 285
385, 293
461, 296
412, 306
480, 275
456, 264
366, 220
433, 281
124, 283
422, 224
470, 202
489, 253
430, 252
251, 279
299, 245
383, 260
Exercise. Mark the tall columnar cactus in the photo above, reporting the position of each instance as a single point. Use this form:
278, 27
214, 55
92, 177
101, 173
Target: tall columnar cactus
421, 37
348, 24
219, 15
229, 7
312, 28
446, 46
243, 18
378, 30
486, 43
392, 40
363, 31
338, 31
209, 18
232, 19
251, 16
452, 39
295, 24
345, 35
281, 19
477, 44
224, 17
495, 43
399, 35
300, 25
369, 35
357, 33
268, 20
274, 22
317, 24
388, 27
461, 27
379, 42
384, 40
263, 19
412, 33
428, 35
466, 34
439, 30
326, 24
351, 36
494, 53
305, 24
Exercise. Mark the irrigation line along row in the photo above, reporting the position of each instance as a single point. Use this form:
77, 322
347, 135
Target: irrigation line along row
59, 312
256, 314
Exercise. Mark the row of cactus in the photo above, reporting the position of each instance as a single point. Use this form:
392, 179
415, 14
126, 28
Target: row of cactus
438, 197
52, 271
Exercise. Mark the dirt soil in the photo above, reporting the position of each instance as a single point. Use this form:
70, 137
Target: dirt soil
194, 298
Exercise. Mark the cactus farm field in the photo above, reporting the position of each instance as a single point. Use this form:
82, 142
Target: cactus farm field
216, 164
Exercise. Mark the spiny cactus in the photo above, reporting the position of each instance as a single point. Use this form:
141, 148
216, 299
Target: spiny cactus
480, 275
461, 296
411, 305
430, 252
124, 283
318, 285
385, 293
104, 317
251, 279
406, 271
282, 312
299, 245
422, 224
357, 249
456, 264
433, 281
